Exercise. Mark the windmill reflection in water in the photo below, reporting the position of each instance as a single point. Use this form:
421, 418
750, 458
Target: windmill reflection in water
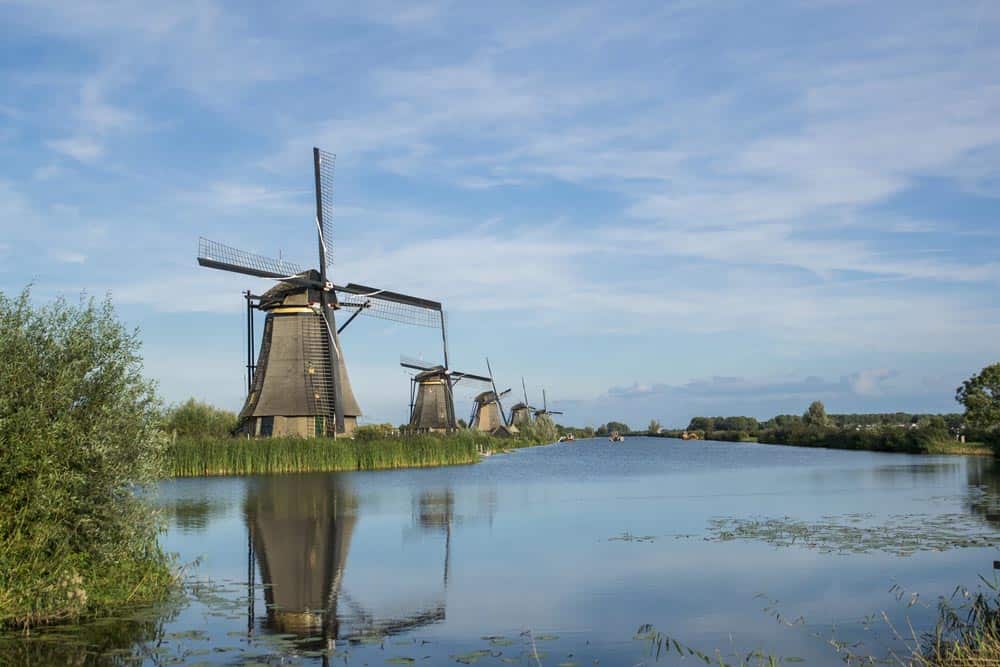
300, 531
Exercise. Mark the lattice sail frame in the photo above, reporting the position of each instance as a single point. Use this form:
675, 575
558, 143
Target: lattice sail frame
228, 257
327, 167
383, 309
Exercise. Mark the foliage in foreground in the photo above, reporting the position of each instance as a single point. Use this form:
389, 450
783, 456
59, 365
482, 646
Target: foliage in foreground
78, 437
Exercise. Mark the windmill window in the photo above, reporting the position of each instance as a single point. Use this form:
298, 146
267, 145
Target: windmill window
266, 426
320, 425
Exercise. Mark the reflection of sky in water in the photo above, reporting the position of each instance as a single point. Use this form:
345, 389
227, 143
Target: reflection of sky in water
527, 538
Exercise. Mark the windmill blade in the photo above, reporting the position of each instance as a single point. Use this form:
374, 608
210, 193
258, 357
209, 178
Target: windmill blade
525, 388
503, 393
323, 166
416, 364
459, 375
553, 412
503, 417
217, 255
392, 306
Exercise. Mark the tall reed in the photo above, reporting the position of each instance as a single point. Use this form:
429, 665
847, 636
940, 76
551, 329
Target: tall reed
195, 457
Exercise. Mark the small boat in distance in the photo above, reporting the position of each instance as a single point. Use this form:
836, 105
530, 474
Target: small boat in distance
567, 438
616, 437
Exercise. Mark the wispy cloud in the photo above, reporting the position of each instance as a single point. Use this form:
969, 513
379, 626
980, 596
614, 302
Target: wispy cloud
823, 190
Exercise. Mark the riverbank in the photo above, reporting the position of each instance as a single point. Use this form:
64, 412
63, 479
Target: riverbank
905, 441
208, 456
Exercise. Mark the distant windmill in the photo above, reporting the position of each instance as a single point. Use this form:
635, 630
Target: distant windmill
545, 408
487, 410
520, 412
432, 399
299, 383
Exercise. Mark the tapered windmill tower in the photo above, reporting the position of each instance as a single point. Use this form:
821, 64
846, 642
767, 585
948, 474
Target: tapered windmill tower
544, 412
299, 383
521, 412
487, 410
432, 398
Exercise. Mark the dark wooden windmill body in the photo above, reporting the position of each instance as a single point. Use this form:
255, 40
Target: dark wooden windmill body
545, 412
521, 412
298, 383
432, 396
487, 411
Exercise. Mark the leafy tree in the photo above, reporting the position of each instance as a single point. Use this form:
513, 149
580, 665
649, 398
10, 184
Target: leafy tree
78, 435
980, 395
816, 415
654, 426
701, 424
194, 418
621, 427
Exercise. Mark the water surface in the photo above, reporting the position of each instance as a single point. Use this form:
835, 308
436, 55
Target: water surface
557, 555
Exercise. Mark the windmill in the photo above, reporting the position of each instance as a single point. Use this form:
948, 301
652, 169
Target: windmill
520, 412
487, 410
299, 383
544, 412
432, 398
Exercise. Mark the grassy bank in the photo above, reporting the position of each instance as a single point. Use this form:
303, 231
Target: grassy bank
195, 457
885, 439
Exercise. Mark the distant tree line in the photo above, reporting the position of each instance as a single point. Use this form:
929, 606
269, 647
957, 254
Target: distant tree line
892, 431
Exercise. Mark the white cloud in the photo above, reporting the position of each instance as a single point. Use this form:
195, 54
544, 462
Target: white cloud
869, 382
68, 256
82, 148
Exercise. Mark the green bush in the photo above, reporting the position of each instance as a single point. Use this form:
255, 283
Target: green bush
371, 432
78, 438
884, 439
542, 430
193, 418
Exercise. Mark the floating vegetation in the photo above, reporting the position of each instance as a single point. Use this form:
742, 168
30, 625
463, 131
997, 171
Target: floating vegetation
626, 536
898, 534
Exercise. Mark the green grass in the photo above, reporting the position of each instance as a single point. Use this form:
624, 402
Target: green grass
196, 457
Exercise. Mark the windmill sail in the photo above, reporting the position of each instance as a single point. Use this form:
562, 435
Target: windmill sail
392, 306
300, 385
217, 255
325, 167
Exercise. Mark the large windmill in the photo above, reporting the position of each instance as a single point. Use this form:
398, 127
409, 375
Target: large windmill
432, 399
487, 410
520, 412
299, 383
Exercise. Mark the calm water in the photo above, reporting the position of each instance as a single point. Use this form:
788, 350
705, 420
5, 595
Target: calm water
557, 555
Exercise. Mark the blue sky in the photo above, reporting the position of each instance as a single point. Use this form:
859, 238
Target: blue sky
653, 210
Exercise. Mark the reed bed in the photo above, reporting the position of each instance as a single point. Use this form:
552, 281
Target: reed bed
199, 457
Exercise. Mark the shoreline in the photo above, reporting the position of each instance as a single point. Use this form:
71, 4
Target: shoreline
221, 457
849, 441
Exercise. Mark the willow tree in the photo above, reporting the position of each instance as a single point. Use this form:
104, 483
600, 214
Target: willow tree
78, 441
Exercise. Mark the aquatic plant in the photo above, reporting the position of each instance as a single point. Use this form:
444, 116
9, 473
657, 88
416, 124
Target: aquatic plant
190, 457
78, 436
900, 535
967, 635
